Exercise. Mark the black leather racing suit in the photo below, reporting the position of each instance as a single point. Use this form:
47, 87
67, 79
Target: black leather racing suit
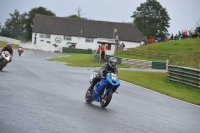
102, 73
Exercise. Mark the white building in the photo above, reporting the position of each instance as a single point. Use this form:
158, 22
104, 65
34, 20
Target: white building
50, 31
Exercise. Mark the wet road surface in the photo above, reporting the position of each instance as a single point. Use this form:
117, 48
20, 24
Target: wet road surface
39, 96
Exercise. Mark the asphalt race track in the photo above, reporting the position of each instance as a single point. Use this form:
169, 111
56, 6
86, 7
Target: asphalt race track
39, 96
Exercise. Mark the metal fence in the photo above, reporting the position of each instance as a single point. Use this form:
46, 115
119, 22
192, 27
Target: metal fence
75, 50
184, 75
147, 53
135, 63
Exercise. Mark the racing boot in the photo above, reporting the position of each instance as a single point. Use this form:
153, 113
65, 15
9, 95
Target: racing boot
93, 83
91, 87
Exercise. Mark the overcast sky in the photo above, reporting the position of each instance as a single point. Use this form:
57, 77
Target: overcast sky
183, 13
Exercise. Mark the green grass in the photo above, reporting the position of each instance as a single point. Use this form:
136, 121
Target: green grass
3, 44
82, 60
158, 82
189, 60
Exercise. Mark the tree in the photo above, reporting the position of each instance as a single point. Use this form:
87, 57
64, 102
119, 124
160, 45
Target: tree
30, 16
151, 18
13, 26
73, 16
15, 22
79, 12
78, 15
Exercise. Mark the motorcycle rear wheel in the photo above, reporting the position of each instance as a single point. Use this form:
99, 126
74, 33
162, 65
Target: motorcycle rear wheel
104, 102
88, 98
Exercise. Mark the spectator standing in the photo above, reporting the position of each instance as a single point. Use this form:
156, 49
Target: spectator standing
120, 46
176, 37
142, 42
103, 51
98, 50
117, 46
152, 40
123, 46
106, 47
179, 35
185, 34
172, 37
166, 38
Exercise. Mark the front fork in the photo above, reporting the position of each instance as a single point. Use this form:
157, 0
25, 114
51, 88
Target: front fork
104, 93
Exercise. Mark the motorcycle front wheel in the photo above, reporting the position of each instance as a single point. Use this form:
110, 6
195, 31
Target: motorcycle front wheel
2, 65
88, 98
106, 99
19, 53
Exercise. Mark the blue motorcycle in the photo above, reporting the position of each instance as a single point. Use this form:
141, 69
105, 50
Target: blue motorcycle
103, 90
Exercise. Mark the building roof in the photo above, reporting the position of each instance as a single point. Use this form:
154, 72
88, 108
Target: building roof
86, 28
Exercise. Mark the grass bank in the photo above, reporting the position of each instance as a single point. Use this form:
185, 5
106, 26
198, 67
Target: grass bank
152, 80
3, 44
184, 46
187, 52
119, 54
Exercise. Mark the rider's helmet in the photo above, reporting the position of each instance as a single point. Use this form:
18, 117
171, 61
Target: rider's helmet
9, 46
112, 62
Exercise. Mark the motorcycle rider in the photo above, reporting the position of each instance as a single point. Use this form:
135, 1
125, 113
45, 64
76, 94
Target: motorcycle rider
20, 48
8, 48
108, 66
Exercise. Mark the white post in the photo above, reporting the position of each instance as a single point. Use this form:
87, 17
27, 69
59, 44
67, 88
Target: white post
115, 30
167, 63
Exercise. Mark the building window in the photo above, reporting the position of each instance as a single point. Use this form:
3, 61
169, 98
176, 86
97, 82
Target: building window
45, 35
68, 38
48, 35
88, 39
42, 35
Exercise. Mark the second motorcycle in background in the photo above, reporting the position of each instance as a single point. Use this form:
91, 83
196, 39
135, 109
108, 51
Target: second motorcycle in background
20, 50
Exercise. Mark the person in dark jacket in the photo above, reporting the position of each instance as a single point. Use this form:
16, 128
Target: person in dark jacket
8, 48
109, 66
